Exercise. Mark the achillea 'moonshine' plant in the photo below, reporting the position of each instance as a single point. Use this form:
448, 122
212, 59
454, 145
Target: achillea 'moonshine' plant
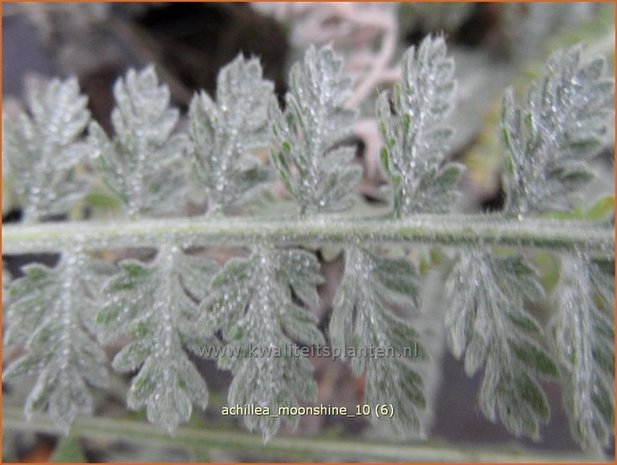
182, 299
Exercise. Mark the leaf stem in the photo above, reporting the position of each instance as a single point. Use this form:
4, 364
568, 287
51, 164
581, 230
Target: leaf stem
304, 447
450, 230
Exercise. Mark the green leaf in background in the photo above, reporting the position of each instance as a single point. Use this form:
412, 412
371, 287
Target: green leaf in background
602, 209
68, 450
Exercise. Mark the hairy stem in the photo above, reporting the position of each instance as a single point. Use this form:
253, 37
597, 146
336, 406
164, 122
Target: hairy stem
451, 230
192, 438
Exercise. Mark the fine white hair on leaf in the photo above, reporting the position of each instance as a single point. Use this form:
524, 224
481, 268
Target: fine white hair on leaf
362, 320
582, 333
312, 164
156, 306
225, 134
414, 137
551, 137
42, 147
252, 304
51, 312
487, 323
143, 163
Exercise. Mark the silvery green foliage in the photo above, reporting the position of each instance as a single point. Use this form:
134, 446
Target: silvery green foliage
488, 323
50, 314
256, 303
583, 332
42, 147
225, 134
552, 136
143, 162
253, 303
362, 320
156, 305
411, 121
313, 165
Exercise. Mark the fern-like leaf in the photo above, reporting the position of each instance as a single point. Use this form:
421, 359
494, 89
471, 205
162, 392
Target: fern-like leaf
583, 335
143, 163
313, 165
42, 147
550, 138
50, 312
415, 140
488, 323
224, 134
252, 302
385, 346
157, 306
